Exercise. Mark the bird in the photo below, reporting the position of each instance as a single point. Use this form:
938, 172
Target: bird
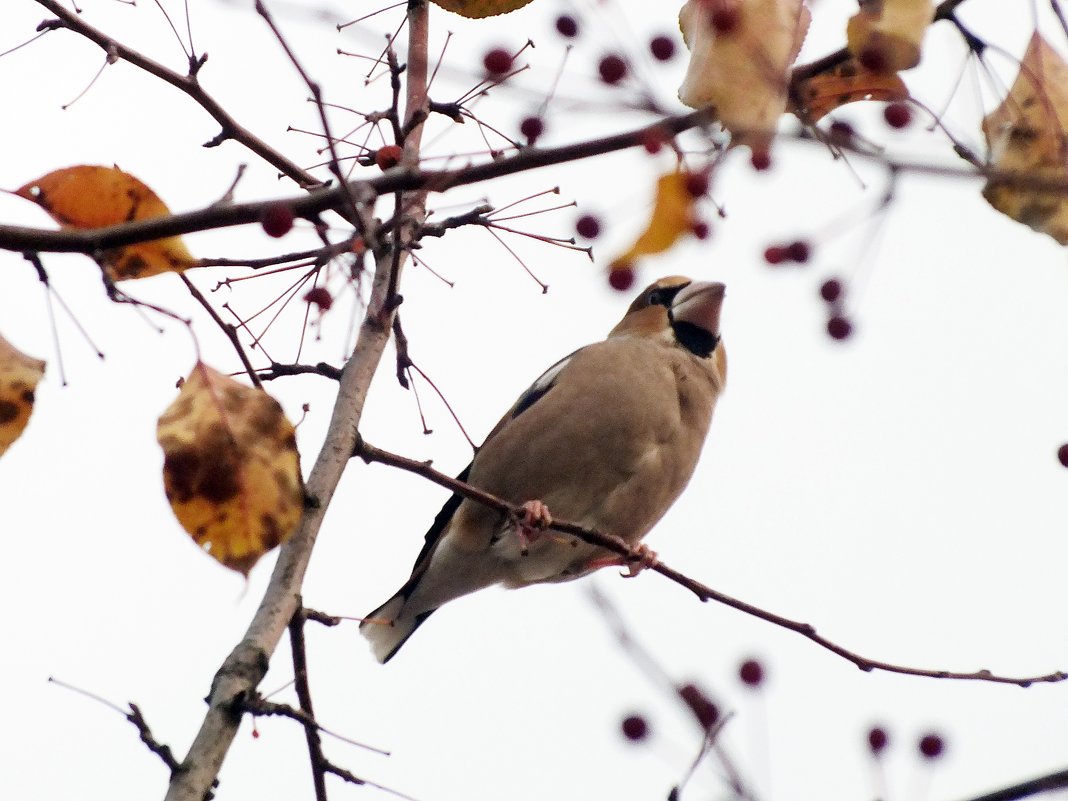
608, 437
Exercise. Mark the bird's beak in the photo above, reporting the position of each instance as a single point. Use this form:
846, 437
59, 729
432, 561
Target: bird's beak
699, 304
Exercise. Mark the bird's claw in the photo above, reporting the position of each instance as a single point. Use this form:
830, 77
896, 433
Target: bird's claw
533, 518
647, 558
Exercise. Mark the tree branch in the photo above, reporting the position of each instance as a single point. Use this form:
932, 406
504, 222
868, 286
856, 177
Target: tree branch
369, 453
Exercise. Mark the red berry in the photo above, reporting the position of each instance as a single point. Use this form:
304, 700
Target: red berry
1062, 455
932, 746
897, 115
775, 254
696, 183
662, 48
621, 277
588, 226
725, 19
760, 159
653, 140
532, 128
798, 251
320, 296
497, 61
277, 219
874, 59
700, 229
878, 740
635, 728
839, 327
702, 707
612, 68
388, 156
567, 26
831, 290
751, 672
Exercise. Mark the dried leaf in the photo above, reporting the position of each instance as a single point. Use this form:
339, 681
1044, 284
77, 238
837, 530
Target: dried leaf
476, 9
887, 35
740, 57
231, 468
1028, 135
849, 82
91, 197
671, 218
19, 375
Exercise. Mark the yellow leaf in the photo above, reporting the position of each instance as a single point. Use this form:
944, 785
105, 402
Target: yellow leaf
849, 82
740, 57
1028, 135
476, 9
19, 375
231, 468
91, 197
671, 218
887, 35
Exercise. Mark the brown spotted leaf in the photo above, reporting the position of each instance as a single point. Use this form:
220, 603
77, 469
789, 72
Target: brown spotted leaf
476, 9
888, 34
92, 197
671, 218
742, 69
231, 468
1027, 135
19, 375
849, 82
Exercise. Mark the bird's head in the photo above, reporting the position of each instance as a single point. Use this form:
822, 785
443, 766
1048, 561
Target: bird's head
677, 307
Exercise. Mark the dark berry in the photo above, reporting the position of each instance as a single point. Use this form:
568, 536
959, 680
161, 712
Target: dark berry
612, 68
751, 672
702, 707
320, 297
567, 26
635, 728
662, 48
798, 251
388, 156
932, 746
532, 128
621, 277
840, 132
874, 59
897, 115
839, 327
760, 159
1062, 455
497, 61
696, 183
653, 140
277, 219
775, 254
831, 290
725, 19
700, 229
878, 740
588, 226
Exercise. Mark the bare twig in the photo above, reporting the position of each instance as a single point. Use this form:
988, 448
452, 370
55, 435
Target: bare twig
1040, 784
303, 688
369, 453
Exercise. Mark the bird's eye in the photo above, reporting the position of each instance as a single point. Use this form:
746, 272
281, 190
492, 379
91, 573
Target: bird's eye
658, 297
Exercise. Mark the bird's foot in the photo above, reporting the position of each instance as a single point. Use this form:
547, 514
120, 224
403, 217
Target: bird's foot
646, 558
531, 521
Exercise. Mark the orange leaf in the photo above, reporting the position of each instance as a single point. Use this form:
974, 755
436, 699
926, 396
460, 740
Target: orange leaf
476, 9
671, 218
849, 82
887, 35
1027, 135
92, 197
19, 375
740, 56
231, 468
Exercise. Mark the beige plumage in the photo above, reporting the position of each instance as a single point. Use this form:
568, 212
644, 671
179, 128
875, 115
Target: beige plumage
608, 437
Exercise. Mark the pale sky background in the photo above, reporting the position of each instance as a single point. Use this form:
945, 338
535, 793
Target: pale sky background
900, 490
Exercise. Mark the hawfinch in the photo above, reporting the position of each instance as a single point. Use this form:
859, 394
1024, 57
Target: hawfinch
607, 437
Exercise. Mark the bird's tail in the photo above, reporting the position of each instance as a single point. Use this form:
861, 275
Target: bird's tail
389, 627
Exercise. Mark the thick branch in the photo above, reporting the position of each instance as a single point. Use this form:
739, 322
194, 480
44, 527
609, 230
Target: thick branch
616, 545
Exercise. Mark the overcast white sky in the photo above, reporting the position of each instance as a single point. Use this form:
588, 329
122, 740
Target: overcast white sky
900, 490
